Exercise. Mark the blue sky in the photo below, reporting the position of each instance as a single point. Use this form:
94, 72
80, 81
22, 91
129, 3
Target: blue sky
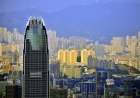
49, 5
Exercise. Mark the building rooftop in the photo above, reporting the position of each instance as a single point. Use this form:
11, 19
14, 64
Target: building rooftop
33, 20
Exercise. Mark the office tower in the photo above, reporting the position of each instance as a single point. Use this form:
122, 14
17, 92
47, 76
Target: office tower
13, 91
87, 87
100, 80
35, 60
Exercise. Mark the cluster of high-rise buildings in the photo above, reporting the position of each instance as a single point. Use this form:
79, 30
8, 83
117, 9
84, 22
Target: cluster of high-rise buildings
71, 56
100, 63
8, 37
129, 44
47, 66
72, 43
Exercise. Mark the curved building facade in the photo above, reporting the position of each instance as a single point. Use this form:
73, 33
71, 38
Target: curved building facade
35, 60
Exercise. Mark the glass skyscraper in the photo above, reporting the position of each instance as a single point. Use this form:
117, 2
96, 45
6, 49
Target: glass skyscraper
35, 60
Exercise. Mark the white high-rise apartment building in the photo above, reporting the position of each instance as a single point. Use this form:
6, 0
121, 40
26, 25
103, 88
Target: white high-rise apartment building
1, 34
128, 40
36, 75
9, 35
139, 36
51, 35
15, 34
118, 41
4, 33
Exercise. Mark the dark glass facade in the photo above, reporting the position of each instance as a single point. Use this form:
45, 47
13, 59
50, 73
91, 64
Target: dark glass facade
87, 88
100, 80
35, 60
13, 91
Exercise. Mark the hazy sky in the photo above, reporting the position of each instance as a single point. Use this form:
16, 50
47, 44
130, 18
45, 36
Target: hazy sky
49, 5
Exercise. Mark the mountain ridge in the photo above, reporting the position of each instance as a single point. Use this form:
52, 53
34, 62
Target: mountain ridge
92, 21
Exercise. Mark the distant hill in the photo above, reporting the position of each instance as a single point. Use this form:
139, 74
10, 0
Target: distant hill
99, 21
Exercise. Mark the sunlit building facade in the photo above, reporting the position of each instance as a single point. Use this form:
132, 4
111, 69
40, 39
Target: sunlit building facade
84, 55
73, 56
67, 56
71, 71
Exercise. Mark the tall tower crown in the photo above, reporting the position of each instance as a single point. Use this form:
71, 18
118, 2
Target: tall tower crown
35, 20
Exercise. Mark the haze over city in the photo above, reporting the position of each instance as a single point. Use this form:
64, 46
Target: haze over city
98, 21
51, 6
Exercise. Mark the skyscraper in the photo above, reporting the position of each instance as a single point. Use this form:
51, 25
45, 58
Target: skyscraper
100, 79
139, 36
35, 60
